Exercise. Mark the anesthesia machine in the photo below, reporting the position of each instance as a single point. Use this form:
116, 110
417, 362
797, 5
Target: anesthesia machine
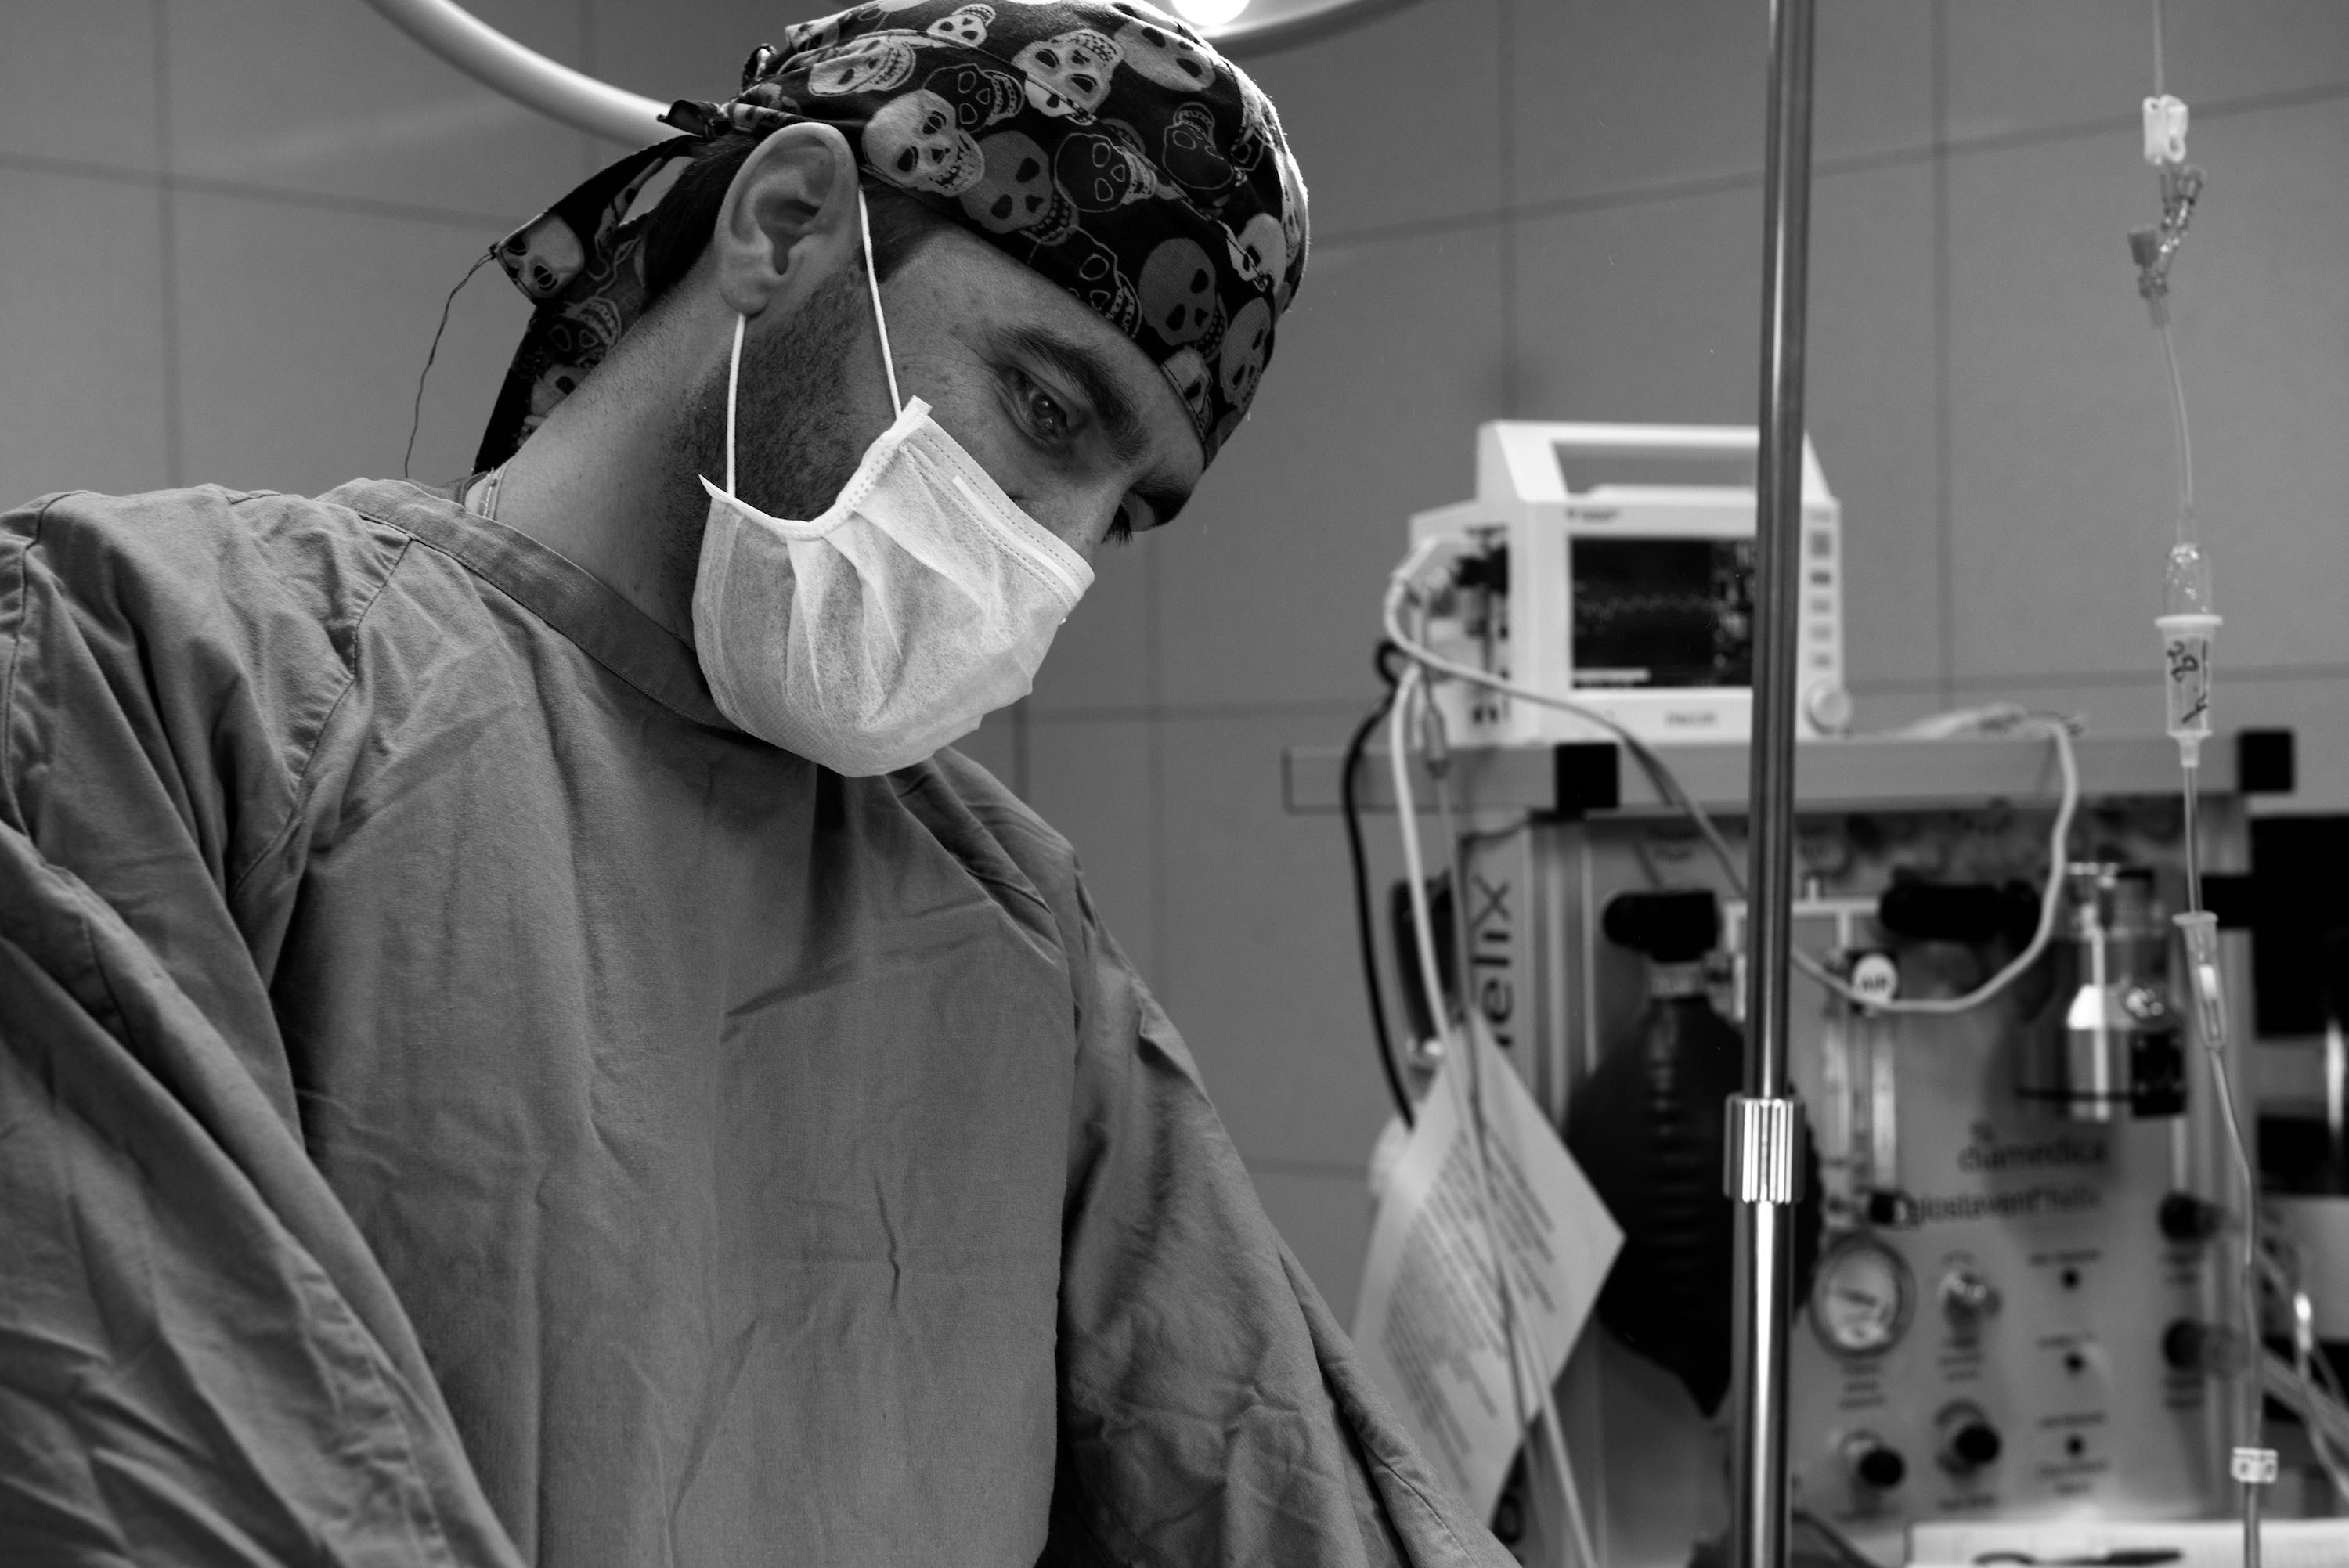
2020, 1230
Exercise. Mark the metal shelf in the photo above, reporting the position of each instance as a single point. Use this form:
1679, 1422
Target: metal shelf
1593, 778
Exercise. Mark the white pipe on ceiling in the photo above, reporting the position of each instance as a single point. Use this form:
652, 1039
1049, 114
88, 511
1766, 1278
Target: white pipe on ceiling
488, 56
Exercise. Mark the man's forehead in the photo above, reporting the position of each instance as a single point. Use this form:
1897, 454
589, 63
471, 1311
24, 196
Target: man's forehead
1099, 143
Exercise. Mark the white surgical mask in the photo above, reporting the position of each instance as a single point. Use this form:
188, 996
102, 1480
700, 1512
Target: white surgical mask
919, 601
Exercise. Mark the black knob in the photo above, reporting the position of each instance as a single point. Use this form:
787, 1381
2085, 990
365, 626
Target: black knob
1880, 1468
2187, 1218
1669, 927
1974, 1445
1968, 1440
2190, 1346
1889, 1209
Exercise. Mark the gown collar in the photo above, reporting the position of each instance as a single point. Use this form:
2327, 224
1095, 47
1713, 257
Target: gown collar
606, 626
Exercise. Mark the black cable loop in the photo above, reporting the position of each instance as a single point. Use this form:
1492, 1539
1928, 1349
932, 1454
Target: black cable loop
1364, 931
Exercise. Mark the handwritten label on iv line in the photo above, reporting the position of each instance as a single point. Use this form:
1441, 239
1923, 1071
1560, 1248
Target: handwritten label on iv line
1430, 1324
2189, 682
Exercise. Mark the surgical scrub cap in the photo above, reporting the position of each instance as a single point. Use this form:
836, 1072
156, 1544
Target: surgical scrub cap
1101, 143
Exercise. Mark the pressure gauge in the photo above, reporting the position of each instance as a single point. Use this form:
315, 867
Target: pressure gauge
1862, 1297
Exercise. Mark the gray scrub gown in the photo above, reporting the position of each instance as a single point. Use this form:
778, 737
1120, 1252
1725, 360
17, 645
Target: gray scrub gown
463, 1102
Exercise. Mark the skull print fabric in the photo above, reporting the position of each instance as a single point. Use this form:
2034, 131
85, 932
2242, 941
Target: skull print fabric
1101, 143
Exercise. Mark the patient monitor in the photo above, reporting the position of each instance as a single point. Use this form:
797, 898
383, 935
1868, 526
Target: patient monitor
1613, 565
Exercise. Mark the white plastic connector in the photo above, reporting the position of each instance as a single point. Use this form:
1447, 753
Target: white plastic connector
2253, 1467
2165, 131
2200, 929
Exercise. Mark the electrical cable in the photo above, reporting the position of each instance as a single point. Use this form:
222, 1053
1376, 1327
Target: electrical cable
1414, 869
2280, 1267
1349, 802
416, 412
2328, 1382
1553, 1429
1667, 785
2322, 1412
1467, 1088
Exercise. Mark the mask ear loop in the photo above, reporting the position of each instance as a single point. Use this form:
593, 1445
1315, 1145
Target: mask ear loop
733, 380
888, 359
873, 279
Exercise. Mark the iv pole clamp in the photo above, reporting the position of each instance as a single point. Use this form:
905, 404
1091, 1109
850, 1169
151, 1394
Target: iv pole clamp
1765, 1123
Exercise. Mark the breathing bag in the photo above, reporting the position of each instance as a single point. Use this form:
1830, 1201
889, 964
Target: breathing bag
1647, 1128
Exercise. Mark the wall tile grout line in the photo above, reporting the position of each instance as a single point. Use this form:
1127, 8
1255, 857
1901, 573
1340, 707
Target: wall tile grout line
1165, 713
207, 185
1724, 183
592, 153
1188, 712
1944, 436
166, 255
1505, 98
2112, 680
82, 169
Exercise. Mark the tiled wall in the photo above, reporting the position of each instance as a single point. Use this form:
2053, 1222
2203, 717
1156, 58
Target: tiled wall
230, 224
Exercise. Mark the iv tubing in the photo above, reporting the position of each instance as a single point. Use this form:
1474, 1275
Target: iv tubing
2249, 1437
2187, 526
2161, 89
2251, 1456
1410, 692
2193, 853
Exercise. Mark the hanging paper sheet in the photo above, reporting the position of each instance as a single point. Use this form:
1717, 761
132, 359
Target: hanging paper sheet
1429, 1324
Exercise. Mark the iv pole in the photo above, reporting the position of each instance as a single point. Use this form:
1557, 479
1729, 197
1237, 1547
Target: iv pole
1765, 1124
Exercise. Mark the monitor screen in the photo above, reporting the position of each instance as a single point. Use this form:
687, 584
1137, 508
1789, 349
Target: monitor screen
1662, 612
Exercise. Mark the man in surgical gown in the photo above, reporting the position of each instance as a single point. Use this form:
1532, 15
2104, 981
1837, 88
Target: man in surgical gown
465, 1101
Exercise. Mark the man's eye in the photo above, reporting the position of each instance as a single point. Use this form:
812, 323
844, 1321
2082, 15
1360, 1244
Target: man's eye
1045, 415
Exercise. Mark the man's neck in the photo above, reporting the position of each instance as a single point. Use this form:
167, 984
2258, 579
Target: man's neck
608, 483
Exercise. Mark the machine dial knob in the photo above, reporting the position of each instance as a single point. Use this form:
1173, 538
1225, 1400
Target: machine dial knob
1968, 1297
1969, 1443
2186, 1217
1872, 1464
2189, 1344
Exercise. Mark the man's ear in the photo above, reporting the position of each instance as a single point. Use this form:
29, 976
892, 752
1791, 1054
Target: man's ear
789, 218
